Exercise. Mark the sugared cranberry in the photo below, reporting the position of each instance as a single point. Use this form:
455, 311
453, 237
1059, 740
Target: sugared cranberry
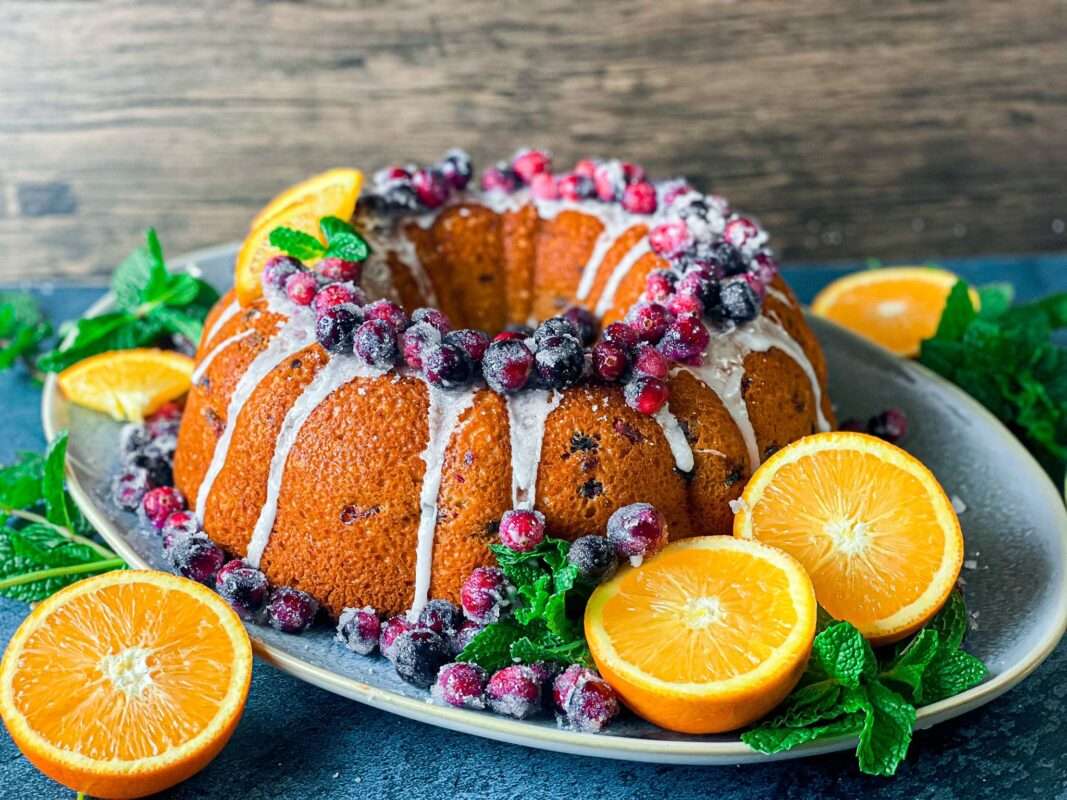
659, 285
621, 334
337, 269
637, 531
430, 187
168, 412
583, 321
633, 173
528, 163
586, 168
764, 267
559, 362
391, 630
157, 459
639, 198
472, 342
160, 503
701, 286
392, 173
458, 641
484, 595
394, 197
891, 425
681, 304
460, 685
674, 189
335, 328
510, 336
590, 704
441, 616
740, 231
594, 556
358, 629
729, 259
387, 311
649, 321
181, 523
670, 238
416, 341
433, 317
507, 365
554, 326
543, 186
575, 187
418, 655
738, 302
129, 488
514, 691
522, 529
610, 361
686, 339
648, 362
566, 682
457, 169
646, 395
301, 288
291, 610
853, 425
375, 343
609, 180
447, 366
197, 558
278, 270
499, 178
331, 295
243, 587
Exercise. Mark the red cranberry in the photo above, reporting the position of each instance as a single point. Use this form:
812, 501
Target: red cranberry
331, 295
529, 163
543, 186
278, 270
765, 267
387, 311
590, 705
507, 364
646, 395
375, 343
160, 503
416, 341
609, 180
243, 587
456, 168
336, 326
181, 523
501, 179
129, 488
586, 168
448, 366
291, 610
197, 558
621, 334
514, 691
358, 629
670, 238
609, 361
650, 363
681, 304
740, 231
418, 655
391, 630
701, 286
639, 198
659, 285
432, 317
575, 187
649, 321
472, 342
168, 412
430, 187
337, 269
685, 339
510, 336
441, 616
891, 425
566, 682
484, 595
460, 685
301, 288
522, 530
675, 189
637, 531
634, 173
583, 321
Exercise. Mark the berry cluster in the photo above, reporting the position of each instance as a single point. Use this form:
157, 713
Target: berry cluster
414, 189
147, 453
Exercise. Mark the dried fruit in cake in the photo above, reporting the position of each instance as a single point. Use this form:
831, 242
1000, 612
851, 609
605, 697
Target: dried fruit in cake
125, 684
707, 636
868, 521
896, 307
127, 384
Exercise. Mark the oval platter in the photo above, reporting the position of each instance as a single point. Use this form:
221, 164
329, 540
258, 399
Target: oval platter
1015, 575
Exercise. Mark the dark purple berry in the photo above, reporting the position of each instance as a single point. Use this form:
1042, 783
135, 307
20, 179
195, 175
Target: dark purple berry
433, 317
464, 636
278, 269
133, 439
375, 343
391, 630
416, 341
555, 326
460, 685
358, 629
473, 342
157, 462
594, 556
685, 340
291, 610
393, 197
514, 691
387, 311
197, 558
160, 503
649, 321
447, 366
243, 587
335, 328
637, 531
484, 595
507, 365
610, 361
738, 302
418, 655
129, 488
728, 258
891, 425
853, 425
522, 529
456, 168
441, 616
559, 362
583, 321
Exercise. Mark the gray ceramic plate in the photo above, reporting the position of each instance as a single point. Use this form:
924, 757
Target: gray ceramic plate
1015, 526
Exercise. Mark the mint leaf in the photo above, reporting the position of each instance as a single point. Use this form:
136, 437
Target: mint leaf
949, 675
297, 243
53, 482
529, 650
886, 732
137, 271
20, 483
22, 327
491, 647
994, 299
841, 653
778, 740
906, 670
958, 313
534, 598
185, 322
343, 240
951, 622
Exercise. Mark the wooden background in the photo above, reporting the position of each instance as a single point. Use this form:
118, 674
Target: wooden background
895, 130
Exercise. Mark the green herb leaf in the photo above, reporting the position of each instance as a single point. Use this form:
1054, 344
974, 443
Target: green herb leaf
20, 483
138, 271
527, 650
886, 732
778, 740
491, 647
949, 675
841, 653
343, 240
906, 670
297, 243
53, 483
22, 327
958, 313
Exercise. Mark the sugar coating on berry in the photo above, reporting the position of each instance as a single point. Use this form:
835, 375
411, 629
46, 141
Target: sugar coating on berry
528, 163
160, 503
649, 321
418, 655
686, 340
461, 685
441, 616
522, 530
278, 269
129, 488
459, 640
594, 556
338, 269
432, 317
447, 365
430, 187
387, 311
391, 630
514, 691
301, 288
621, 334
559, 361
335, 327
543, 186
485, 594
610, 361
637, 531
375, 343
650, 362
197, 558
359, 629
639, 198
589, 705
291, 610
891, 425
333, 294
416, 341
181, 523
472, 342
507, 364
243, 587
566, 682
583, 322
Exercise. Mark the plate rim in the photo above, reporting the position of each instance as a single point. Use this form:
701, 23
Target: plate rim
547, 738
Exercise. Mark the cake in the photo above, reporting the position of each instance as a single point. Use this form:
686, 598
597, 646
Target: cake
378, 477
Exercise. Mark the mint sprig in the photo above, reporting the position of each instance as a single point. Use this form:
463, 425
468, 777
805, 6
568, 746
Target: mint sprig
847, 690
152, 302
22, 328
342, 241
45, 541
548, 604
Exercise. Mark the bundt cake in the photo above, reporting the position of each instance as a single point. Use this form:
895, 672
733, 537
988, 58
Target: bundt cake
353, 434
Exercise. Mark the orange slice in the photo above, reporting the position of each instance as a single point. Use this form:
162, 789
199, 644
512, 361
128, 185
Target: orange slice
128, 384
707, 636
124, 684
896, 307
870, 524
331, 194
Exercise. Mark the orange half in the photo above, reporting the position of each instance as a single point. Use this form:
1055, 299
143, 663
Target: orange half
896, 307
705, 637
128, 384
871, 525
125, 684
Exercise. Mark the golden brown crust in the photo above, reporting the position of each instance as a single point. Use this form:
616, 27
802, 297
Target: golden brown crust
564, 244
632, 286
467, 237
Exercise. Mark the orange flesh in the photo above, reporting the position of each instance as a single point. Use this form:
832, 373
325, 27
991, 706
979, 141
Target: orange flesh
140, 670
736, 610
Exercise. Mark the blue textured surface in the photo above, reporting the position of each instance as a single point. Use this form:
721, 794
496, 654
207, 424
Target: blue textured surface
296, 741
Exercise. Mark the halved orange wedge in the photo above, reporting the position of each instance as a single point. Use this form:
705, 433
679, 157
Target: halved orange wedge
128, 384
896, 307
125, 684
331, 194
705, 637
870, 524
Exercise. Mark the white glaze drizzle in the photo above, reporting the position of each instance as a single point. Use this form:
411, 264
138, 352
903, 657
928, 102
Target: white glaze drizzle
205, 362
337, 372
675, 436
446, 407
622, 269
224, 317
527, 413
780, 296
